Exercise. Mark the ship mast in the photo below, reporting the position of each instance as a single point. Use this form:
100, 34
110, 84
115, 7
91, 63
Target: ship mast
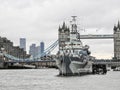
74, 30
73, 25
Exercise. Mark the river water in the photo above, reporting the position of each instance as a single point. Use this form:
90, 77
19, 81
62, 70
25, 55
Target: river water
47, 79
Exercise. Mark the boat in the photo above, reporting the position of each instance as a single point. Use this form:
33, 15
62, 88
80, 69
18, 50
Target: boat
72, 57
116, 69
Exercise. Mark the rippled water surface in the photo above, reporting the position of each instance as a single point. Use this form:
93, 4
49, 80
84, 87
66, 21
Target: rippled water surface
47, 79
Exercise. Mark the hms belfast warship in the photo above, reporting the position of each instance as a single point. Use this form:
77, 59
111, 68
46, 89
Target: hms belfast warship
72, 58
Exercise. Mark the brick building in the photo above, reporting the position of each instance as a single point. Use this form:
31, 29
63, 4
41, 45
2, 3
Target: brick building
15, 51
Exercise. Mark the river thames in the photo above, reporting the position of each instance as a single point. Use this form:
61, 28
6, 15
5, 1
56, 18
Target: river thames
47, 79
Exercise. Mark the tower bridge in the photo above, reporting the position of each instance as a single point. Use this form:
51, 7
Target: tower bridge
115, 36
4, 57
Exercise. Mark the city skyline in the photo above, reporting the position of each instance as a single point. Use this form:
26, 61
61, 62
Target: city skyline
36, 50
38, 20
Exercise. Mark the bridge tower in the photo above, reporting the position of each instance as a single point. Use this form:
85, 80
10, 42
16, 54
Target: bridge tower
117, 41
63, 36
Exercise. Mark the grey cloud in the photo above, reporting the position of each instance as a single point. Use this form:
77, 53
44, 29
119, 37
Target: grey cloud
38, 20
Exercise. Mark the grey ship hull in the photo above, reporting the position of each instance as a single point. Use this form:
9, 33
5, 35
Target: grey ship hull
73, 66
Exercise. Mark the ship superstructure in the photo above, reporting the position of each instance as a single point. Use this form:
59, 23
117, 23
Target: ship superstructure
72, 58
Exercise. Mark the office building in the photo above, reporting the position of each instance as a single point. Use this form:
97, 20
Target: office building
23, 43
42, 47
32, 50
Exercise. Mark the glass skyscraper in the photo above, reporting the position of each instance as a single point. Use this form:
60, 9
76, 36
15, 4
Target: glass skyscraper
23, 43
36, 50
42, 47
32, 50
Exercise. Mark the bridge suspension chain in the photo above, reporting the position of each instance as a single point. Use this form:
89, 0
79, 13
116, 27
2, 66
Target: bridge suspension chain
48, 50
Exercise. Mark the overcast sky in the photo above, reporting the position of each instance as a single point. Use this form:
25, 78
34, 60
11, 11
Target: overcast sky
38, 20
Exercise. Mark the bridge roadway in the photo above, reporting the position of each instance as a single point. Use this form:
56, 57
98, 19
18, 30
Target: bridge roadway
102, 36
